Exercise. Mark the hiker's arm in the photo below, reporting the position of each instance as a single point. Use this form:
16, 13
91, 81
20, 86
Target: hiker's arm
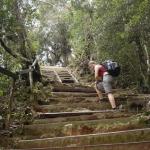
97, 77
93, 84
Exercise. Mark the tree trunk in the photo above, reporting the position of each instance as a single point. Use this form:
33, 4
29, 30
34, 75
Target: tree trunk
10, 104
37, 77
22, 31
148, 65
12, 53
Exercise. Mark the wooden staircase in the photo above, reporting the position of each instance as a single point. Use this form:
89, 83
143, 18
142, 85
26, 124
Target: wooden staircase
74, 120
60, 74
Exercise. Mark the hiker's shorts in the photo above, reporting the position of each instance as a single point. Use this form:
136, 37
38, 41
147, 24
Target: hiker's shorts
106, 84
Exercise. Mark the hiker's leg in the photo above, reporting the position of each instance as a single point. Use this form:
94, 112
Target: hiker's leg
99, 88
107, 83
112, 100
99, 93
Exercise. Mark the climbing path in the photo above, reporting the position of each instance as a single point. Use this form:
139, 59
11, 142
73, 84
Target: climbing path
61, 74
72, 119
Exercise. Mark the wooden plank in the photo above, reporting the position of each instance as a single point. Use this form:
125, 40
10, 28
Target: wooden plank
26, 71
73, 89
73, 76
92, 117
66, 114
66, 76
144, 145
59, 79
62, 73
135, 135
74, 94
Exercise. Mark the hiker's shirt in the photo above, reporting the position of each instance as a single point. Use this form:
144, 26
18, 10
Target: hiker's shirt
103, 79
100, 71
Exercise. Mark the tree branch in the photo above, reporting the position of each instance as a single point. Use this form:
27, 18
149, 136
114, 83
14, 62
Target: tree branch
15, 55
7, 49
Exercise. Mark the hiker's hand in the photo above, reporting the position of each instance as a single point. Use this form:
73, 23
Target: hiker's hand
93, 84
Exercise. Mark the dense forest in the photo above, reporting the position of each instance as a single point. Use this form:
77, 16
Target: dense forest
69, 33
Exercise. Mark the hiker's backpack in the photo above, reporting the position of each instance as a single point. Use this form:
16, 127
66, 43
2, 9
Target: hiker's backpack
112, 67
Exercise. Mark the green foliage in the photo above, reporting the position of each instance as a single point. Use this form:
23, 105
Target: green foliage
119, 30
16, 30
4, 83
104, 29
53, 32
97, 29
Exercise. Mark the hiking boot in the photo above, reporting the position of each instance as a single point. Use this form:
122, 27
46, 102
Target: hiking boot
100, 100
119, 108
116, 108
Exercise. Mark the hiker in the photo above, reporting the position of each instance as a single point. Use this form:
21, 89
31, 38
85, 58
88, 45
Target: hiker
103, 82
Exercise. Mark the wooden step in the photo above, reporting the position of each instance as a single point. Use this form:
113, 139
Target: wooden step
66, 78
80, 127
68, 81
72, 106
84, 94
134, 135
144, 145
74, 94
66, 114
63, 75
108, 115
57, 104
73, 89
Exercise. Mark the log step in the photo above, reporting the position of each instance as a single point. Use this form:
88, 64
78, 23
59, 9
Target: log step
144, 145
62, 74
73, 127
84, 117
67, 114
134, 135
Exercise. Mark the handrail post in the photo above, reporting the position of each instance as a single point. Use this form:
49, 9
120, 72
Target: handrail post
30, 78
